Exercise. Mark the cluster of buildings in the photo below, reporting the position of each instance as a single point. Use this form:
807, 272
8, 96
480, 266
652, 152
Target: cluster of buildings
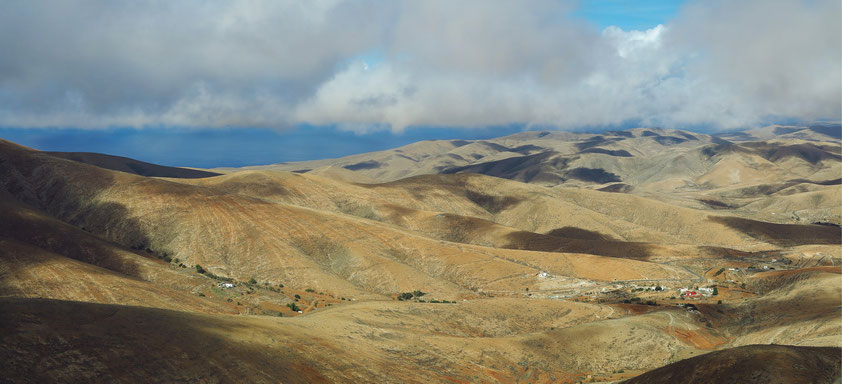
696, 293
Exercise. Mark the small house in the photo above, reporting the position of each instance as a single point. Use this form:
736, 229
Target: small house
706, 291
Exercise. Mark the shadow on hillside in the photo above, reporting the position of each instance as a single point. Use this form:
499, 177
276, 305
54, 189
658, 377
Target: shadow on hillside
579, 233
25, 226
617, 188
752, 364
125, 164
784, 235
69, 192
580, 241
135, 344
492, 204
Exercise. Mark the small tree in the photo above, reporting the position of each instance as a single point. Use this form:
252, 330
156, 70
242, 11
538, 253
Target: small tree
715, 291
405, 296
293, 307
252, 281
199, 269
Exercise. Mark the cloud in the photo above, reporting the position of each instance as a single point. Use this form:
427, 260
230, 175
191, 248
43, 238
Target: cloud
216, 63
469, 63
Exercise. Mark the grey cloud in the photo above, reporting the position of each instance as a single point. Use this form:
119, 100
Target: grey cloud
464, 63
101, 62
771, 58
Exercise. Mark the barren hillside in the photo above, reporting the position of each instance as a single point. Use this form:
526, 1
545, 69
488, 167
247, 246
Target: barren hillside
537, 257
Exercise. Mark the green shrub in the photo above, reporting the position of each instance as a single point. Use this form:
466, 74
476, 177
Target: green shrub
310, 290
252, 281
199, 269
297, 296
405, 296
293, 307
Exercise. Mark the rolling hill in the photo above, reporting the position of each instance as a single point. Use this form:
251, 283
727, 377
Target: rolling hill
536, 257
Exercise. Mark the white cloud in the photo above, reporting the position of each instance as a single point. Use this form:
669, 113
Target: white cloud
467, 63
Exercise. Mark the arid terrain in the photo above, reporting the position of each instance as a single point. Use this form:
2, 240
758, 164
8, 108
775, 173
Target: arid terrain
647, 255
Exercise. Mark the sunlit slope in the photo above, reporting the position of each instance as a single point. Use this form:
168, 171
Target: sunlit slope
415, 203
355, 343
244, 237
30, 272
648, 158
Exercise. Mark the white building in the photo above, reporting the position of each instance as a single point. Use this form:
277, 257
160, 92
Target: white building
706, 291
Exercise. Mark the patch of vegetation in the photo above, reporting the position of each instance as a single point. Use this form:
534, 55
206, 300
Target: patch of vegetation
310, 290
252, 281
199, 269
216, 277
293, 307
409, 295
719, 272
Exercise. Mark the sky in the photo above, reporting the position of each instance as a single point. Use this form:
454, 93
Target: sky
233, 83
